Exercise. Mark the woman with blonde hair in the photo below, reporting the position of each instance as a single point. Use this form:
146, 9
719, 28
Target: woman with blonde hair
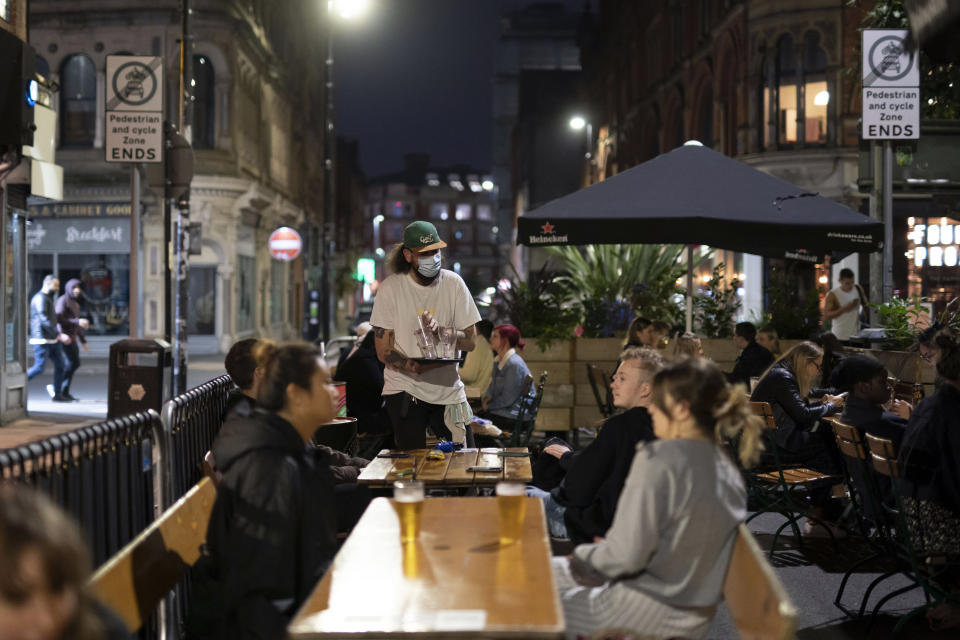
660, 570
687, 345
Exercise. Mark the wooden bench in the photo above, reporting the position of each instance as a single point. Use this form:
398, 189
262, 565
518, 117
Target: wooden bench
134, 581
757, 600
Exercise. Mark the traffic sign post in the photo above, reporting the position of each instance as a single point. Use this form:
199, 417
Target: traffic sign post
134, 109
891, 111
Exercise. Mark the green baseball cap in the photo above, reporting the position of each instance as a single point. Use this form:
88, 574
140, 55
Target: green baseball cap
422, 236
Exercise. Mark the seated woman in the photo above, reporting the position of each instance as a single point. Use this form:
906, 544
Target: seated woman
687, 345
501, 400
786, 385
646, 333
660, 570
272, 532
44, 573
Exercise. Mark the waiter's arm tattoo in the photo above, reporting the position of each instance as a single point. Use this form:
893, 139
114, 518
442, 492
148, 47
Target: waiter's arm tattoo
387, 351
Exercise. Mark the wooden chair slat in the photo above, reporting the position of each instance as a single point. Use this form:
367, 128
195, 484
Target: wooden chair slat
141, 574
757, 600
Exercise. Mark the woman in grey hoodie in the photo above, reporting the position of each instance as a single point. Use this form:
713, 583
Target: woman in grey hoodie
660, 570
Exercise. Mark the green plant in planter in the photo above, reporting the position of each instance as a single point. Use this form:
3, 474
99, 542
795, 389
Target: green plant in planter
898, 319
539, 308
793, 313
715, 308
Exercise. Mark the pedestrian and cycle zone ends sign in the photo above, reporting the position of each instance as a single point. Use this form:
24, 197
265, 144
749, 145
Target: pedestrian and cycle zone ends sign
891, 85
134, 109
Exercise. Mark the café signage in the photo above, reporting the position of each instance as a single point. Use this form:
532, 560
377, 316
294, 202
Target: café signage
79, 235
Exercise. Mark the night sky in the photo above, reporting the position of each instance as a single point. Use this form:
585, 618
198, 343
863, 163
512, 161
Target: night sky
417, 75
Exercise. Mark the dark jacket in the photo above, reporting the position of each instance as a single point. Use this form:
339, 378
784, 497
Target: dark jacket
272, 532
751, 363
931, 448
874, 420
68, 313
595, 475
363, 373
43, 316
793, 413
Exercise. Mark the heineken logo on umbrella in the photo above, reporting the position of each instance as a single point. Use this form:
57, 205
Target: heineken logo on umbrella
548, 235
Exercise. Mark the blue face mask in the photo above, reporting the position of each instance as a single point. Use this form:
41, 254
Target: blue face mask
429, 266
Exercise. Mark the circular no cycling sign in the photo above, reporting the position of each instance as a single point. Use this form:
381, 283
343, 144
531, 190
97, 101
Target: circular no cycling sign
887, 59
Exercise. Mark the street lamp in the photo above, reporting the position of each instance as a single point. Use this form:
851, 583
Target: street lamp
350, 9
578, 123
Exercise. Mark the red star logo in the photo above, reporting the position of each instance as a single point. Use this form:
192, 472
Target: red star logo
547, 227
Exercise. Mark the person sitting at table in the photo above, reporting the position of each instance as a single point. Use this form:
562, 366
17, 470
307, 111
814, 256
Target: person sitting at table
659, 572
687, 345
799, 437
45, 572
866, 381
753, 359
501, 401
272, 531
363, 373
768, 339
477, 369
646, 333
582, 506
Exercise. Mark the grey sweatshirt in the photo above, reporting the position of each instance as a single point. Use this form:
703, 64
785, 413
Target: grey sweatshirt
675, 523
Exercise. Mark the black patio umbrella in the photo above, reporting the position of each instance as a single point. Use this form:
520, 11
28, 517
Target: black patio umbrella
693, 195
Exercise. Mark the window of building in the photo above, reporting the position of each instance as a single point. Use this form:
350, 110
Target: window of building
439, 211
705, 119
484, 212
394, 232
464, 212
397, 209
78, 101
202, 319
5, 10
816, 96
246, 292
204, 102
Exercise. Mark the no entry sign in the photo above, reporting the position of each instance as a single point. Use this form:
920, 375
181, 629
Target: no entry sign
285, 244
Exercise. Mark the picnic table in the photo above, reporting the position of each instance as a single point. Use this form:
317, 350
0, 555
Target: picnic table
451, 472
456, 580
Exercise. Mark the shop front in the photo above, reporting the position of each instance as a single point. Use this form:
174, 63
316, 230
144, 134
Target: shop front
89, 242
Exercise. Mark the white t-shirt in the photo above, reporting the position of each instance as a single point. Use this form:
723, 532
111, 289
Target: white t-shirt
848, 323
400, 300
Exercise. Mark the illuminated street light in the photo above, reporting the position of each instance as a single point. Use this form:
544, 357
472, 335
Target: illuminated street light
577, 123
487, 185
822, 99
350, 9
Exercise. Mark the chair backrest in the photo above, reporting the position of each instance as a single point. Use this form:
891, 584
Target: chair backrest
884, 456
597, 380
849, 439
765, 411
526, 399
141, 574
758, 603
527, 416
912, 392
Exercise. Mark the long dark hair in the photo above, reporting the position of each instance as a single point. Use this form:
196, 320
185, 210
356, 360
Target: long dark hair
948, 364
719, 409
294, 362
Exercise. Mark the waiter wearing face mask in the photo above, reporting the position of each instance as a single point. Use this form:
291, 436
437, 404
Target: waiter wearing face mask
421, 294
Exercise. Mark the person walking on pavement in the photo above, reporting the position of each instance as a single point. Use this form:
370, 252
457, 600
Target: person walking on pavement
421, 297
842, 306
73, 327
45, 337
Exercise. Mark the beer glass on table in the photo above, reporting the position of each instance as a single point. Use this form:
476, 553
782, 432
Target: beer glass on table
408, 503
512, 509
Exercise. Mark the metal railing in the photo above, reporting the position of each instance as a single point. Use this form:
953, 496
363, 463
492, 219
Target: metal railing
104, 475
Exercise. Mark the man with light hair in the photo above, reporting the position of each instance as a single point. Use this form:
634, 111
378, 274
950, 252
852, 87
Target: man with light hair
582, 507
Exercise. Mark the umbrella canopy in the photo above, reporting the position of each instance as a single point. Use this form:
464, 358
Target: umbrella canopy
693, 195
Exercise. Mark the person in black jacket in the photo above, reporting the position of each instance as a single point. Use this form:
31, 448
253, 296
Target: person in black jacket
753, 359
363, 373
582, 507
272, 532
45, 337
866, 381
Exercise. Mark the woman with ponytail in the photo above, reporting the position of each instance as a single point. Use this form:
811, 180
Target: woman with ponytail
272, 532
659, 572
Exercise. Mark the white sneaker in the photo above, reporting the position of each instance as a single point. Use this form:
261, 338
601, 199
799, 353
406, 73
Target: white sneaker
51, 391
813, 529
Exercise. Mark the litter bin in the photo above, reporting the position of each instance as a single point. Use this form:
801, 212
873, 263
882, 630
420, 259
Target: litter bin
138, 377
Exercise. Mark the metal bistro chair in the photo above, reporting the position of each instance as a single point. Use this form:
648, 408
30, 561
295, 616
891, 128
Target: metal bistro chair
598, 380
527, 415
784, 488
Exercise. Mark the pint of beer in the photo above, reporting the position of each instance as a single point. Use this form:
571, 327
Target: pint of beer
512, 507
408, 502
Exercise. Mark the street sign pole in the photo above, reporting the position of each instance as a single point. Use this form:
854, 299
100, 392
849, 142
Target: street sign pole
136, 294
887, 221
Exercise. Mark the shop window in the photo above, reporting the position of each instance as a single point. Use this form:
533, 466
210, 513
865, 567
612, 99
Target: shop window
816, 96
78, 101
204, 102
246, 292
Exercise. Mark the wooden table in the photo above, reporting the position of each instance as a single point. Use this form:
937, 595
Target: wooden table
451, 471
455, 581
